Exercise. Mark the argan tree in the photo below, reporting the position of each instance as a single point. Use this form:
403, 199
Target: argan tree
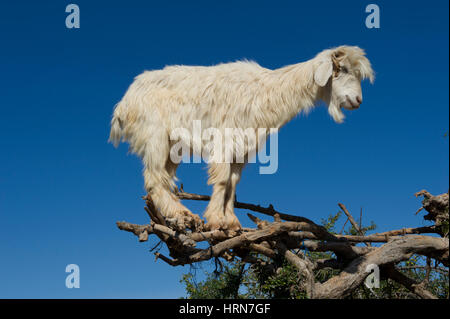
293, 257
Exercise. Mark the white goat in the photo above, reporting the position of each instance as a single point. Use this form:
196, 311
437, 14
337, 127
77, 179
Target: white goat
233, 95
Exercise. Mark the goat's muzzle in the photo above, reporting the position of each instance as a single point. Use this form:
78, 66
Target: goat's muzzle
351, 104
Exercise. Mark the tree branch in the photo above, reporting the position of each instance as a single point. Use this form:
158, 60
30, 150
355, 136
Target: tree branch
276, 239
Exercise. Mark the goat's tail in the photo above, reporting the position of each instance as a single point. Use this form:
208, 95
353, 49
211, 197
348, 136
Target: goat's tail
116, 133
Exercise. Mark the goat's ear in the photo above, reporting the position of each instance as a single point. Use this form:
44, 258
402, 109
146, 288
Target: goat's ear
323, 73
337, 56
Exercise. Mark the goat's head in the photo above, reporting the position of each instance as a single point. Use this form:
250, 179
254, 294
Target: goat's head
339, 72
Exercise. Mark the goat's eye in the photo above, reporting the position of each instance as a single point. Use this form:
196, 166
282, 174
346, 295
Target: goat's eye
344, 69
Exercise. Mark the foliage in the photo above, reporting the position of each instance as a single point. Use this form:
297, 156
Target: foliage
279, 279
217, 285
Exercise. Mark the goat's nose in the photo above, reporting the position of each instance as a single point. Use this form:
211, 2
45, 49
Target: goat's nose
359, 99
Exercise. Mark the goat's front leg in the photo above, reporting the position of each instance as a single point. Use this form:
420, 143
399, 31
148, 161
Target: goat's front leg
220, 210
232, 221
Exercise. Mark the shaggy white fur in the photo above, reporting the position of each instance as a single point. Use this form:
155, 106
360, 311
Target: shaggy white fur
233, 95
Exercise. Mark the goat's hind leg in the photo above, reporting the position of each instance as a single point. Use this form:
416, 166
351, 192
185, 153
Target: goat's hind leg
182, 213
168, 204
158, 176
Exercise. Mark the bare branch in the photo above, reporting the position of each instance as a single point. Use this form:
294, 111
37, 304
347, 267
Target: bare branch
415, 287
286, 232
399, 249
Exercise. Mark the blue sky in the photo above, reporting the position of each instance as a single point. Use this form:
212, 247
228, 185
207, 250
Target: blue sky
63, 187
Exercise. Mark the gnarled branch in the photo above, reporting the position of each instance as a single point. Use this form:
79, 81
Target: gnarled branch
277, 239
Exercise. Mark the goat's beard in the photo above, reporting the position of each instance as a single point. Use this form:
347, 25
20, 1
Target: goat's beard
335, 111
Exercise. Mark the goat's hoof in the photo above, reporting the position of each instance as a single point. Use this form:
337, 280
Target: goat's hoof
192, 221
211, 226
230, 229
233, 229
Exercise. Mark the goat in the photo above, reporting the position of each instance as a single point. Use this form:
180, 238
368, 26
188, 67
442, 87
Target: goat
232, 95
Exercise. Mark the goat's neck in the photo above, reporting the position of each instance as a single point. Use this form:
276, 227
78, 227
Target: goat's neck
293, 90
